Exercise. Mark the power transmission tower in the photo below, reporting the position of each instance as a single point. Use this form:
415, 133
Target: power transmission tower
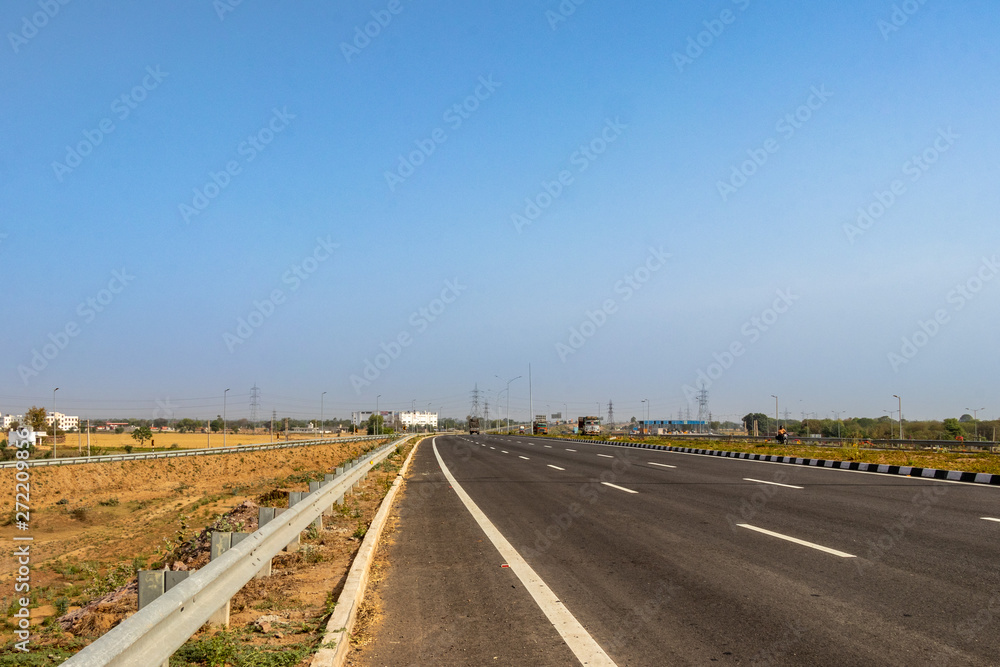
702, 405
254, 405
475, 401
611, 414
487, 415
274, 416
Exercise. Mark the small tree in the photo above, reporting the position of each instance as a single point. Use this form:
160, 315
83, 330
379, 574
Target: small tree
142, 434
36, 418
953, 428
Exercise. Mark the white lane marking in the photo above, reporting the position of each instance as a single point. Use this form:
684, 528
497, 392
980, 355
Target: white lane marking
761, 481
989, 518
607, 456
524, 457
504, 451
556, 467
586, 650
570, 450
492, 447
620, 488
797, 541
662, 465
549, 446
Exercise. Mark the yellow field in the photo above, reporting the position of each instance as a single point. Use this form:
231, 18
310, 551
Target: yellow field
74, 442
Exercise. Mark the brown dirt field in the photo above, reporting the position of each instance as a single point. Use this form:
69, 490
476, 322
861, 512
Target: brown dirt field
115, 517
74, 444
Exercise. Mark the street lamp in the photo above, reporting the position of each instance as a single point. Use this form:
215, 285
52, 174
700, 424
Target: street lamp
224, 417
644, 424
975, 419
377, 415
321, 411
837, 412
55, 453
900, 416
508, 397
775, 413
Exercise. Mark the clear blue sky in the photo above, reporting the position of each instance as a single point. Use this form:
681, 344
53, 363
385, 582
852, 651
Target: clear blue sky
822, 106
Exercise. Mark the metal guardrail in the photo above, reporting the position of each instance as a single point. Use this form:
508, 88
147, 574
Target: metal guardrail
171, 453
150, 636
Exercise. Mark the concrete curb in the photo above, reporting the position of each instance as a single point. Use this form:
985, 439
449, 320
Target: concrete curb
341, 623
907, 471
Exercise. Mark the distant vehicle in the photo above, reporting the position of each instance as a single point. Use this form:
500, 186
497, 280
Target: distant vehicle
540, 427
589, 425
521, 427
473, 425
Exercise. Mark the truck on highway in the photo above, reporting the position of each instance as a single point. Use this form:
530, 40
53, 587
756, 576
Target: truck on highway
589, 425
473, 425
540, 427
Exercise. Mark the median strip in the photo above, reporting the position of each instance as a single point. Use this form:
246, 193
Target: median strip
761, 481
796, 540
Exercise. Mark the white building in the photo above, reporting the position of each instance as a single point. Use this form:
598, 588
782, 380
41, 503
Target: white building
417, 418
10, 419
65, 422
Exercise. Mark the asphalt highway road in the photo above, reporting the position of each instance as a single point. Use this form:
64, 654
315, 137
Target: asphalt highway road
673, 559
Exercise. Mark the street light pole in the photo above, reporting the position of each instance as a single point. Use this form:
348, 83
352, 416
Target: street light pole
644, 424
775, 413
55, 453
378, 430
975, 419
224, 417
508, 396
900, 415
321, 430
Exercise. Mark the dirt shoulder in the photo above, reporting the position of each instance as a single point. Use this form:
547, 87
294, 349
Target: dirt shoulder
94, 525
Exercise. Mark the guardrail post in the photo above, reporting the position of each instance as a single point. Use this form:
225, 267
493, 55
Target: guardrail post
154, 583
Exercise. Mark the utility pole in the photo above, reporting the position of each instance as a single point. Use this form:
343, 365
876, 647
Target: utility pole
702, 406
254, 404
274, 415
975, 419
224, 417
88, 438
508, 397
54, 431
531, 407
321, 429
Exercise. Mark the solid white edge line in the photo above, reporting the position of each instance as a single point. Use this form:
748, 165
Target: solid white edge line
761, 481
989, 518
797, 541
556, 467
620, 488
584, 647
662, 465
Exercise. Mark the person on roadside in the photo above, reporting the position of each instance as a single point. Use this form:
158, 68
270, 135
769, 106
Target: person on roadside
782, 435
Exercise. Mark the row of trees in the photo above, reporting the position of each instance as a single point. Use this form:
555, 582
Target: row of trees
867, 428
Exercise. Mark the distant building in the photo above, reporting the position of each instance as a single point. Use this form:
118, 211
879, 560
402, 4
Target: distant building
417, 418
361, 417
65, 422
